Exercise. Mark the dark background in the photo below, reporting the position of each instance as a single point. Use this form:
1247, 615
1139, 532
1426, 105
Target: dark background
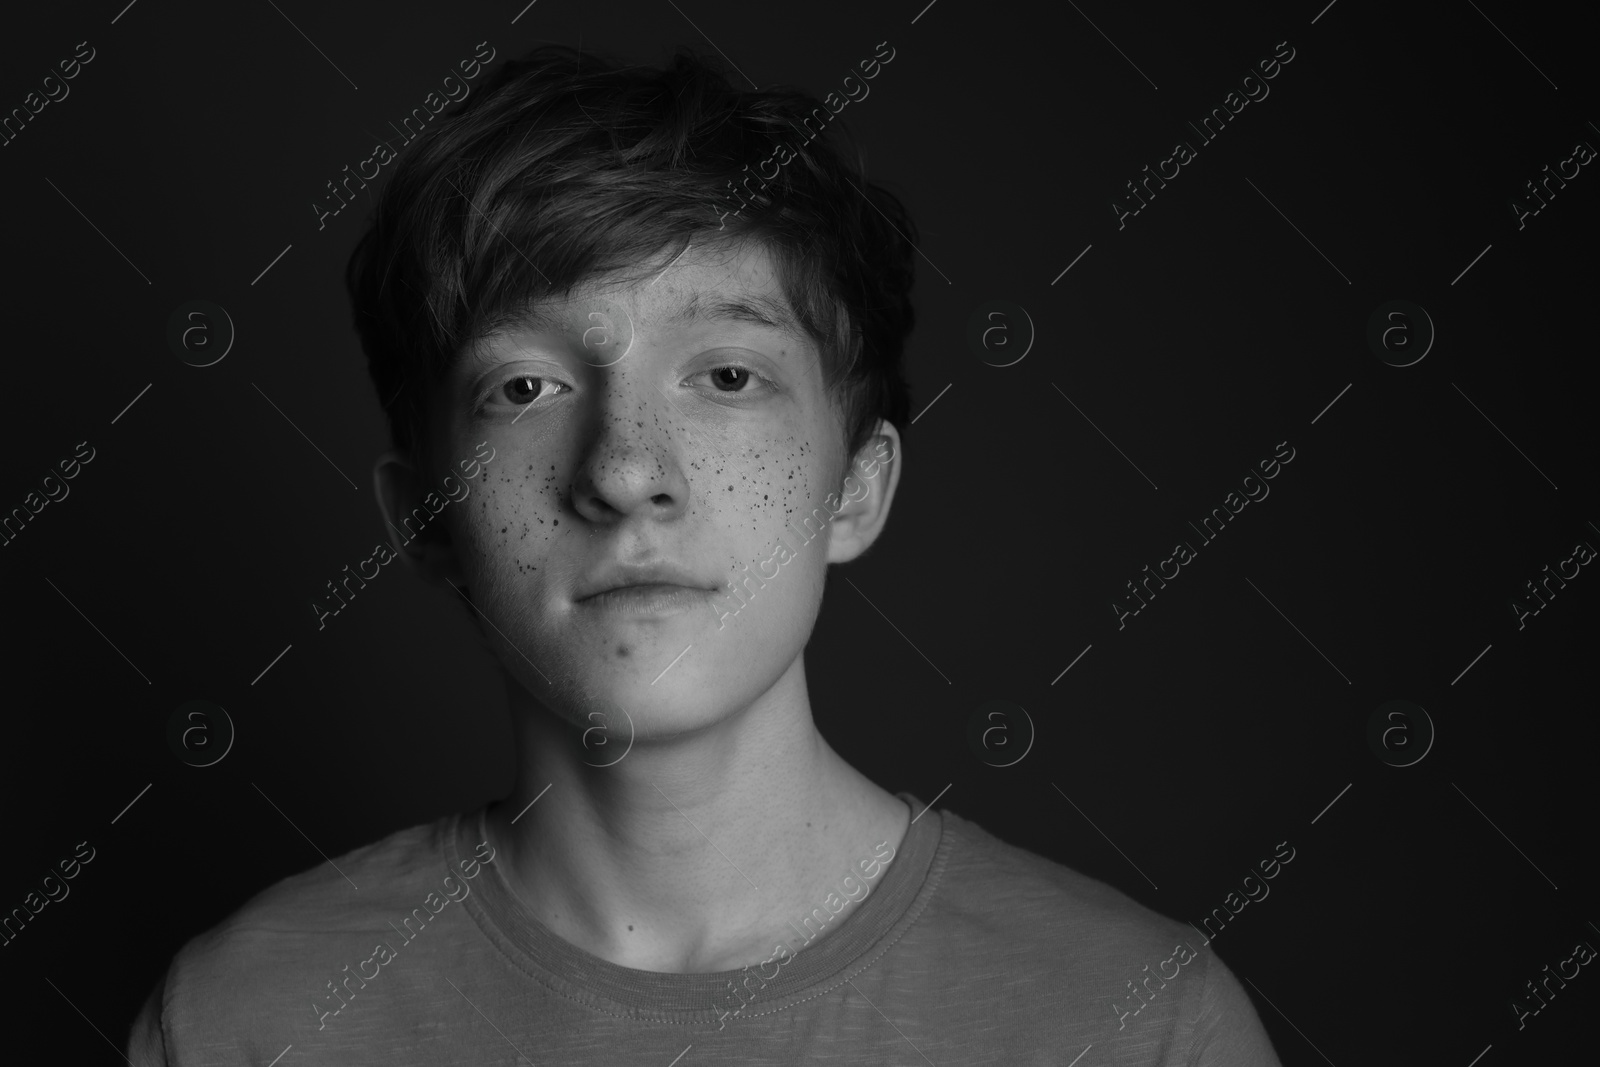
1196, 338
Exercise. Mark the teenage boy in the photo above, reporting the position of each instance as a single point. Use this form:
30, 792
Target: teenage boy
694, 401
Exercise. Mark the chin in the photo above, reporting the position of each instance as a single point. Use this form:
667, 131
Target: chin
650, 682
620, 717
687, 697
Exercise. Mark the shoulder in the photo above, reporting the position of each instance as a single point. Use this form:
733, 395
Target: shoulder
283, 945
1041, 902
333, 896
1094, 960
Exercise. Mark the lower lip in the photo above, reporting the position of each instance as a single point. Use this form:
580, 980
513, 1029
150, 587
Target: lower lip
649, 600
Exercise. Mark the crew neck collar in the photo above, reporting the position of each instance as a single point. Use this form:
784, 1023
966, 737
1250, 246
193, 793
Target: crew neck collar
865, 931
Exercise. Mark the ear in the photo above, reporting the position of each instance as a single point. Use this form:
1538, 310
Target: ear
418, 536
867, 491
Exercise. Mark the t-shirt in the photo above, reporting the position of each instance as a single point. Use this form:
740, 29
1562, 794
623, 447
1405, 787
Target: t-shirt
964, 950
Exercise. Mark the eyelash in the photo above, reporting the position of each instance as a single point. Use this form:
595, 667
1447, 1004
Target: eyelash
485, 401
770, 385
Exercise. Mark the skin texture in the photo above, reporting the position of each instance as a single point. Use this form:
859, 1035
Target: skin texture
729, 817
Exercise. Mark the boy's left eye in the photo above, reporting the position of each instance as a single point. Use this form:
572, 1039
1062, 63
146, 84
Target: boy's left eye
733, 378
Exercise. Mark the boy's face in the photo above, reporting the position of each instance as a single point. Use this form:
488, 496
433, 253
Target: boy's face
655, 424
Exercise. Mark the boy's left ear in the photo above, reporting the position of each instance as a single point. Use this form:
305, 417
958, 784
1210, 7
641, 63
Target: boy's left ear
865, 495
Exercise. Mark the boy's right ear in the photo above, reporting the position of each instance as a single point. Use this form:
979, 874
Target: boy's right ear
427, 550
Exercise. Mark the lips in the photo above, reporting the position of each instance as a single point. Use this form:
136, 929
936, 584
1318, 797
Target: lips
660, 577
648, 601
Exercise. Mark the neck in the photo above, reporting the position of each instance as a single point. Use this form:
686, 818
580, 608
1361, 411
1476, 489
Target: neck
695, 851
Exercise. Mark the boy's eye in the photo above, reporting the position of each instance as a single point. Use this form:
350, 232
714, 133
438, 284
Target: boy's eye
526, 388
733, 378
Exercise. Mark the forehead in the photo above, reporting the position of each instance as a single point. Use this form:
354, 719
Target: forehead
699, 286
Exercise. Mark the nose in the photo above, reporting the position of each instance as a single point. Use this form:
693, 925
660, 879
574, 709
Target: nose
632, 465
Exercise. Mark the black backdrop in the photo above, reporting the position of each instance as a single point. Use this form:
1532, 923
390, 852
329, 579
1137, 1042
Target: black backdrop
1175, 353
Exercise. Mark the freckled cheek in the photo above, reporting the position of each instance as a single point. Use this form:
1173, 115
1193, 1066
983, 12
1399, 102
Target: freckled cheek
752, 492
511, 523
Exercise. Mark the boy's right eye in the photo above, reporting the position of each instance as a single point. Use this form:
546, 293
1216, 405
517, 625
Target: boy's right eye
520, 390
523, 389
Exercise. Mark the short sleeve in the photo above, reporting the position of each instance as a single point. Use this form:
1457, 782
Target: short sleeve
147, 1045
1227, 1030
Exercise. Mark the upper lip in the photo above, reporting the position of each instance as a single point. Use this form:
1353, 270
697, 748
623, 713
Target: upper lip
620, 575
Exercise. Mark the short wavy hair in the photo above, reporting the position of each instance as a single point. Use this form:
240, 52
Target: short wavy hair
586, 167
